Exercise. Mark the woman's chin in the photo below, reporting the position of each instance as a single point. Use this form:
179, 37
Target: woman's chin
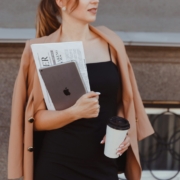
91, 20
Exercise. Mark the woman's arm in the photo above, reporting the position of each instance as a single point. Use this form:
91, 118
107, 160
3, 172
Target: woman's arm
49, 120
87, 106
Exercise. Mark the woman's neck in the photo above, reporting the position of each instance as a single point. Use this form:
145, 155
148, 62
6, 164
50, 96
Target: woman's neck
75, 32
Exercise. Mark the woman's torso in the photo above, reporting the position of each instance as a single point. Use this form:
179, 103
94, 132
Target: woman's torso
77, 144
104, 78
82, 137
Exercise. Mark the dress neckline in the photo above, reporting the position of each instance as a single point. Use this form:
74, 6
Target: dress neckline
101, 63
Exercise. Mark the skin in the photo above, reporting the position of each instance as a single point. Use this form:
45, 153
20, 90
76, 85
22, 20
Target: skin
75, 27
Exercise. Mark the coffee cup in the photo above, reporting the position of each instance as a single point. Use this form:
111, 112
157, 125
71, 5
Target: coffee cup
116, 130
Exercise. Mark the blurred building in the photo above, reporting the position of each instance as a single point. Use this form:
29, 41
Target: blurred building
150, 30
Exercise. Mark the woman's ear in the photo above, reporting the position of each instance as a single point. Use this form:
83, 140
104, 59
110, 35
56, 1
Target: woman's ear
60, 3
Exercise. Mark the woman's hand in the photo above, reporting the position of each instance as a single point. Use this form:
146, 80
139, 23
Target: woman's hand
122, 147
87, 106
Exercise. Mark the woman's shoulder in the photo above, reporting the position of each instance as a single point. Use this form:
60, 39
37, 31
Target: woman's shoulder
109, 32
38, 40
113, 38
26, 55
29, 42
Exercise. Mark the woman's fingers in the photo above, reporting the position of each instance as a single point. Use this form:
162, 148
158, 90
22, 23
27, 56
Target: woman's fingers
125, 142
103, 140
123, 146
122, 151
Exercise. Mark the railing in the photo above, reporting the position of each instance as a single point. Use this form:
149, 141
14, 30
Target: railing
160, 152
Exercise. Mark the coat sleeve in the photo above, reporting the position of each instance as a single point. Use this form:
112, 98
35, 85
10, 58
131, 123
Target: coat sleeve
19, 100
141, 116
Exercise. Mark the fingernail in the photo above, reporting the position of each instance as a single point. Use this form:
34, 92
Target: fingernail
121, 145
101, 142
98, 93
118, 149
119, 153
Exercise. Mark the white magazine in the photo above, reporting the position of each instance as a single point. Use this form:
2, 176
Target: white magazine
52, 54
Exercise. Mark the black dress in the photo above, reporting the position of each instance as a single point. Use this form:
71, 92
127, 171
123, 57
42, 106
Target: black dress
74, 151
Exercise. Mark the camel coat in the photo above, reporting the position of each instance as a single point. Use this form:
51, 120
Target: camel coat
28, 99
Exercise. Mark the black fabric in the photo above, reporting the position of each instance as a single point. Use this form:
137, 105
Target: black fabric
74, 151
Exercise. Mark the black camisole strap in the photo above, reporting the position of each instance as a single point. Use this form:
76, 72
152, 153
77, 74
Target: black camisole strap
109, 52
110, 55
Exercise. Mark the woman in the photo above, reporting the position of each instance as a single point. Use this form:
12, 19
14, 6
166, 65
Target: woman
73, 144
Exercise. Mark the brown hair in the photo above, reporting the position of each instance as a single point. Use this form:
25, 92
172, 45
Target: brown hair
47, 17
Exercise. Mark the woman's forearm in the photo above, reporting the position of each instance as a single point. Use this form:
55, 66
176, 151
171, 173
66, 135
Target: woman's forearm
49, 120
